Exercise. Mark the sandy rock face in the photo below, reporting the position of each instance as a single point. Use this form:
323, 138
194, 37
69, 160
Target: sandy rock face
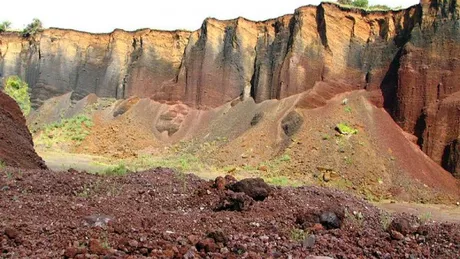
16, 146
409, 57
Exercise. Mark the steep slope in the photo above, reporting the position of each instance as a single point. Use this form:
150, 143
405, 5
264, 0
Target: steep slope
293, 138
221, 61
410, 55
16, 146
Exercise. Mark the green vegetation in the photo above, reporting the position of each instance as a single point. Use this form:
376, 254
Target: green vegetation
282, 181
74, 129
2, 164
4, 26
364, 4
19, 91
385, 220
425, 217
348, 109
298, 235
345, 129
119, 169
32, 28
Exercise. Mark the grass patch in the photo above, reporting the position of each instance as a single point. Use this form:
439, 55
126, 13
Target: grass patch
298, 235
2, 164
282, 181
119, 169
73, 130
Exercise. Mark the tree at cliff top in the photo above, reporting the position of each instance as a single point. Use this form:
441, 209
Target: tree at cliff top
32, 28
4, 26
19, 91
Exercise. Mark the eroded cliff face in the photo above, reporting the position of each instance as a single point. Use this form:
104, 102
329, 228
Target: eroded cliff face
221, 61
409, 56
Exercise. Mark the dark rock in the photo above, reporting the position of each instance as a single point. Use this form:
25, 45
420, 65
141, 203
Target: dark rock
330, 220
220, 183
218, 237
235, 202
207, 245
255, 188
401, 225
230, 179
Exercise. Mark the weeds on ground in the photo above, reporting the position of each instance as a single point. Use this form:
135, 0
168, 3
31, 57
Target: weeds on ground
298, 234
345, 129
425, 217
355, 218
385, 220
119, 169
282, 181
74, 129
2, 164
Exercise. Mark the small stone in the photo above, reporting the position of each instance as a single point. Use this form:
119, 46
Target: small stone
396, 235
264, 238
220, 183
263, 168
309, 241
71, 252
207, 245
317, 227
133, 243
218, 237
193, 239
458, 203
11, 233
95, 247
327, 176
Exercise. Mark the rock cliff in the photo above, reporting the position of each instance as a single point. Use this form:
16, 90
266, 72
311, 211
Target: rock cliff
411, 56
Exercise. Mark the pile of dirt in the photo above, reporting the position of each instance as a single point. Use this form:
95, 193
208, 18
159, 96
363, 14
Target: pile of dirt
16, 145
163, 214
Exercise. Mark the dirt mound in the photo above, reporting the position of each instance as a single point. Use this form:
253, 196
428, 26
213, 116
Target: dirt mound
163, 214
16, 145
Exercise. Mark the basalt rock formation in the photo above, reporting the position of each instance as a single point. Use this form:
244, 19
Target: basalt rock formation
16, 146
411, 57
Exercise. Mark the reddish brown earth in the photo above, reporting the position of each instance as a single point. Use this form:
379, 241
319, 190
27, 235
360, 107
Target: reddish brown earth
16, 146
163, 214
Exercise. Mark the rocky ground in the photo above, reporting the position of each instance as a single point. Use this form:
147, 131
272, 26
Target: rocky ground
164, 214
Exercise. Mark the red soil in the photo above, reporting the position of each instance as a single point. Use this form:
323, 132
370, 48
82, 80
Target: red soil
163, 214
16, 145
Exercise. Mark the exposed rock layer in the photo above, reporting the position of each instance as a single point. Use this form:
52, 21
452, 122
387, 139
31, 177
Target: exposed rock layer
411, 55
16, 146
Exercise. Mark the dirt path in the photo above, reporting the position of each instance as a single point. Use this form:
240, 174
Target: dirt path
61, 161
431, 212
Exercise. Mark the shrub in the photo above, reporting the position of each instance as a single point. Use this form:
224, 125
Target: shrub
32, 28
361, 3
4, 26
344, 129
19, 91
